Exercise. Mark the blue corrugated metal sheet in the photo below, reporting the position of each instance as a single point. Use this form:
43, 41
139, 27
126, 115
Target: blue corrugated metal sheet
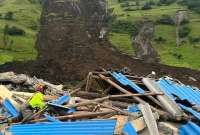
190, 110
133, 108
129, 129
50, 118
10, 108
183, 92
92, 127
61, 100
126, 82
189, 129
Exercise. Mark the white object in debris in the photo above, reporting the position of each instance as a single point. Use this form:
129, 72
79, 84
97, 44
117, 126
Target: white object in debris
149, 118
5, 93
153, 73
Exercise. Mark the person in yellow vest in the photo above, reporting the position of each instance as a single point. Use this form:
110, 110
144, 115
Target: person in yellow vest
37, 102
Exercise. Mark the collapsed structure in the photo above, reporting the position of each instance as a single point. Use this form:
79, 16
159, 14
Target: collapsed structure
105, 103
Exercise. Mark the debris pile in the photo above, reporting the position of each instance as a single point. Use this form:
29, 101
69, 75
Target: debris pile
105, 103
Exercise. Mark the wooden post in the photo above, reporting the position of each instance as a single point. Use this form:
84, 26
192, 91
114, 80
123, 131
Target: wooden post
88, 82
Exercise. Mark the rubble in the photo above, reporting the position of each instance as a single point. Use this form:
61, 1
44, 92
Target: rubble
118, 102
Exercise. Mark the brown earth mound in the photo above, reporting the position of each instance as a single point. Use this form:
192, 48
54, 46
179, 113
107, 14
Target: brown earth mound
69, 46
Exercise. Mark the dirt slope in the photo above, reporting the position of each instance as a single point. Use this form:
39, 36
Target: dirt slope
69, 46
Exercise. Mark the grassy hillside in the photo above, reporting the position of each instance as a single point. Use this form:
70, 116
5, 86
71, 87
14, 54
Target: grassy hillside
132, 12
25, 16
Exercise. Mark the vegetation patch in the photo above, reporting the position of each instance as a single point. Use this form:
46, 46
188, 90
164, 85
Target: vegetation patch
19, 24
163, 13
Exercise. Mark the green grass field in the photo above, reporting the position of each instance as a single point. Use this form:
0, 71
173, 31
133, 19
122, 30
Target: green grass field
26, 17
190, 53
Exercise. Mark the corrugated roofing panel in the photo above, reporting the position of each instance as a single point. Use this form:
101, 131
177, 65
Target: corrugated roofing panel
61, 100
183, 92
50, 118
10, 108
189, 129
126, 82
190, 110
92, 127
129, 129
133, 108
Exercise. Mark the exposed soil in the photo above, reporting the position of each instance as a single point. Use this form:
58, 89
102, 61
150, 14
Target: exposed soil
69, 46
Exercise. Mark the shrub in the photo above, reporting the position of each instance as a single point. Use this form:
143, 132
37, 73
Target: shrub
191, 4
9, 16
36, 1
152, 3
160, 40
124, 27
125, 4
166, 19
184, 31
185, 21
166, 2
194, 40
146, 6
130, 9
14, 31
177, 55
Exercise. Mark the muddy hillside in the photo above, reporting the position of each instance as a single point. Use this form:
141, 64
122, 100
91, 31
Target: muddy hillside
72, 41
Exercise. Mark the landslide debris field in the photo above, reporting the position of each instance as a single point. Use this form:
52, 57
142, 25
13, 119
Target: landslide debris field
69, 46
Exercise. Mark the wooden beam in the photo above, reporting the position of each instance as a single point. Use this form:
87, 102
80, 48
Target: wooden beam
80, 115
127, 92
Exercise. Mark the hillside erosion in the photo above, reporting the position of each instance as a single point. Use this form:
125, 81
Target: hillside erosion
71, 42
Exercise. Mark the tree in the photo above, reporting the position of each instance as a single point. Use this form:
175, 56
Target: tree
9, 16
146, 6
5, 35
6, 41
191, 4
15, 31
166, 19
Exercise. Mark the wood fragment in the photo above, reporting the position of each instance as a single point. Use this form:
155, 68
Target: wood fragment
79, 115
88, 81
127, 92
121, 121
88, 95
87, 102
